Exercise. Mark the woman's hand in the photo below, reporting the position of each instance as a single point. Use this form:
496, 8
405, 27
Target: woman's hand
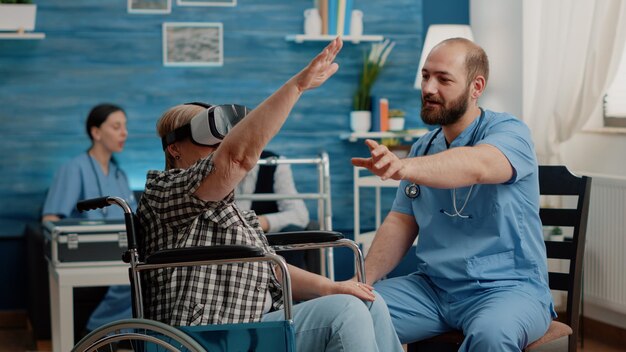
350, 287
306, 285
320, 68
382, 163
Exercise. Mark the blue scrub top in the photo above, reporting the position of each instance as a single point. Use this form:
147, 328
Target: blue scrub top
82, 178
501, 242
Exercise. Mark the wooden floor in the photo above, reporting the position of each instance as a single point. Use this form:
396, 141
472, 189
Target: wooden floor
599, 346
16, 336
20, 340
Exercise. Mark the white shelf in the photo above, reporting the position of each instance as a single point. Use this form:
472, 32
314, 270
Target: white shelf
368, 180
300, 38
408, 135
375, 181
365, 241
22, 36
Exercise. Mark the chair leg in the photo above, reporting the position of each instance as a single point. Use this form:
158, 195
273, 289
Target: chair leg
581, 320
432, 346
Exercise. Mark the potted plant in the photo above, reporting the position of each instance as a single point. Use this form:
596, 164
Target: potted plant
17, 15
396, 120
361, 116
556, 233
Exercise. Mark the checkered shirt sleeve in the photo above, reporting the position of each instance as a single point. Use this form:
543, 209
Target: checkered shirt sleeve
172, 217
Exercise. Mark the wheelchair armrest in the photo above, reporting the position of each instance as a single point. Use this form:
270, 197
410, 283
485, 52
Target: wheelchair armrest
298, 237
200, 253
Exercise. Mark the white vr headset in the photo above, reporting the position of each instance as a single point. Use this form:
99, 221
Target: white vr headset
209, 127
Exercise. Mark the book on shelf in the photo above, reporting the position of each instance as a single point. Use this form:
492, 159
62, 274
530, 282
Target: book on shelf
322, 6
375, 114
348, 17
332, 16
336, 16
341, 17
384, 114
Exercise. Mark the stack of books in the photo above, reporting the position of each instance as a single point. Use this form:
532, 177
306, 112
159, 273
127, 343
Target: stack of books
336, 15
380, 114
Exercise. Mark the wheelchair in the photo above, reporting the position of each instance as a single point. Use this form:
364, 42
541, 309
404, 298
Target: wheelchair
140, 334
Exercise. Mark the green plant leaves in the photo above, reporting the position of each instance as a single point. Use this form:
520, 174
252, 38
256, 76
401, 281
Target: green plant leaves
373, 63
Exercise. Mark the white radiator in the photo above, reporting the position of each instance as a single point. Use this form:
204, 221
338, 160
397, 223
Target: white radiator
605, 251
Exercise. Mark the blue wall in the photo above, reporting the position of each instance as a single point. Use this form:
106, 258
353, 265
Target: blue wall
95, 51
444, 12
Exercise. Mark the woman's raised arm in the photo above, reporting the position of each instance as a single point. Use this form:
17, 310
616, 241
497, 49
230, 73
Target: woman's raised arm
241, 148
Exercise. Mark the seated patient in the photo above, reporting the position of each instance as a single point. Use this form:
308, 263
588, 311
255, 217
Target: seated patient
191, 204
282, 215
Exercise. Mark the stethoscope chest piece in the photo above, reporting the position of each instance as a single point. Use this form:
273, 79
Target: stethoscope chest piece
412, 190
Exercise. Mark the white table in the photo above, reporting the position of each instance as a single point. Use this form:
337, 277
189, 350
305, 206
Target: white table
62, 283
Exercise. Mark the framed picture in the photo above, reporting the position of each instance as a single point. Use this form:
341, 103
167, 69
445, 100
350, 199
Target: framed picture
149, 6
193, 44
206, 2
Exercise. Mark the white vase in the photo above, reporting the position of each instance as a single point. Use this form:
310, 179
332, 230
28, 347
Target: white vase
17, 17
356, 23
396, 123
360, 120
312, 22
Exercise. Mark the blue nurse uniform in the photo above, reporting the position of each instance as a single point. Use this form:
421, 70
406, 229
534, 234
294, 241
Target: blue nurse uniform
82, 178
481, 264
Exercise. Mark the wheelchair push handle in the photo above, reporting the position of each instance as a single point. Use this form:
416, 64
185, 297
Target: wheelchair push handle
102, 202
93, 203
129, 218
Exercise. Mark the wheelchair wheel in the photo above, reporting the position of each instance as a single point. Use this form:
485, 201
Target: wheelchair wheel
140, 335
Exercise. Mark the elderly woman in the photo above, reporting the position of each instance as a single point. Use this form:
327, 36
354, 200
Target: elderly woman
191, 204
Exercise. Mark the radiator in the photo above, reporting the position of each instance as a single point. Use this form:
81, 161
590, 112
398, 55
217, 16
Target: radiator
605, 251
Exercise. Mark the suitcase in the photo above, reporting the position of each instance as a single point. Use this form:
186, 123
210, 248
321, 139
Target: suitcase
73, 242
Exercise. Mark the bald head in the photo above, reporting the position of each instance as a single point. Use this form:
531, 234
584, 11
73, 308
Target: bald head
476, 61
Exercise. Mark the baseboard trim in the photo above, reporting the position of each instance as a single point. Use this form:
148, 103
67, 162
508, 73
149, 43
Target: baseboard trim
601, 312
607, 333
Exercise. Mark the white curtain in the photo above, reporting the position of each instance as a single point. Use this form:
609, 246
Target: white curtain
572, 49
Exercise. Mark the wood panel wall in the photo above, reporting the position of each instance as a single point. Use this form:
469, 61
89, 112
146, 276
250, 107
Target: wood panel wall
94, 51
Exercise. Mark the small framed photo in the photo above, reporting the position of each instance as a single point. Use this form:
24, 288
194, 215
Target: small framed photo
149, 6
206, 2
193, 44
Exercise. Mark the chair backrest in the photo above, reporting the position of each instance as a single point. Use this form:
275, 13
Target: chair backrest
559, 181
553, 181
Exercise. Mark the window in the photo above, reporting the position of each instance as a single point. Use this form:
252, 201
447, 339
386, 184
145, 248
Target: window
614, 108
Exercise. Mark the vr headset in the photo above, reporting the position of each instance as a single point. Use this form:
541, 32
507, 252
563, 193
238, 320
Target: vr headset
209, 127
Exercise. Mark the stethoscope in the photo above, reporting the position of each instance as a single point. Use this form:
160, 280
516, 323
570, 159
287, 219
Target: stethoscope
97, 175
413, 190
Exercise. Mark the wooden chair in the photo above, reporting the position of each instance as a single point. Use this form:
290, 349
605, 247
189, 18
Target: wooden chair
553, 181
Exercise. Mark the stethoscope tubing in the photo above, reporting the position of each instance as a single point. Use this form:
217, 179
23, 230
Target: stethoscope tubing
413, 190
98, 182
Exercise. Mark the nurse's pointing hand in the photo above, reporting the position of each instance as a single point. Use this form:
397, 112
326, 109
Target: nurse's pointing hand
382, 162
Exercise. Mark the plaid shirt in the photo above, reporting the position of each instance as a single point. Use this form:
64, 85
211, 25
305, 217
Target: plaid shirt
172, 217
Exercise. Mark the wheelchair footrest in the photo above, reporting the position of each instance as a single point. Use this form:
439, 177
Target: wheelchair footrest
275, 336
